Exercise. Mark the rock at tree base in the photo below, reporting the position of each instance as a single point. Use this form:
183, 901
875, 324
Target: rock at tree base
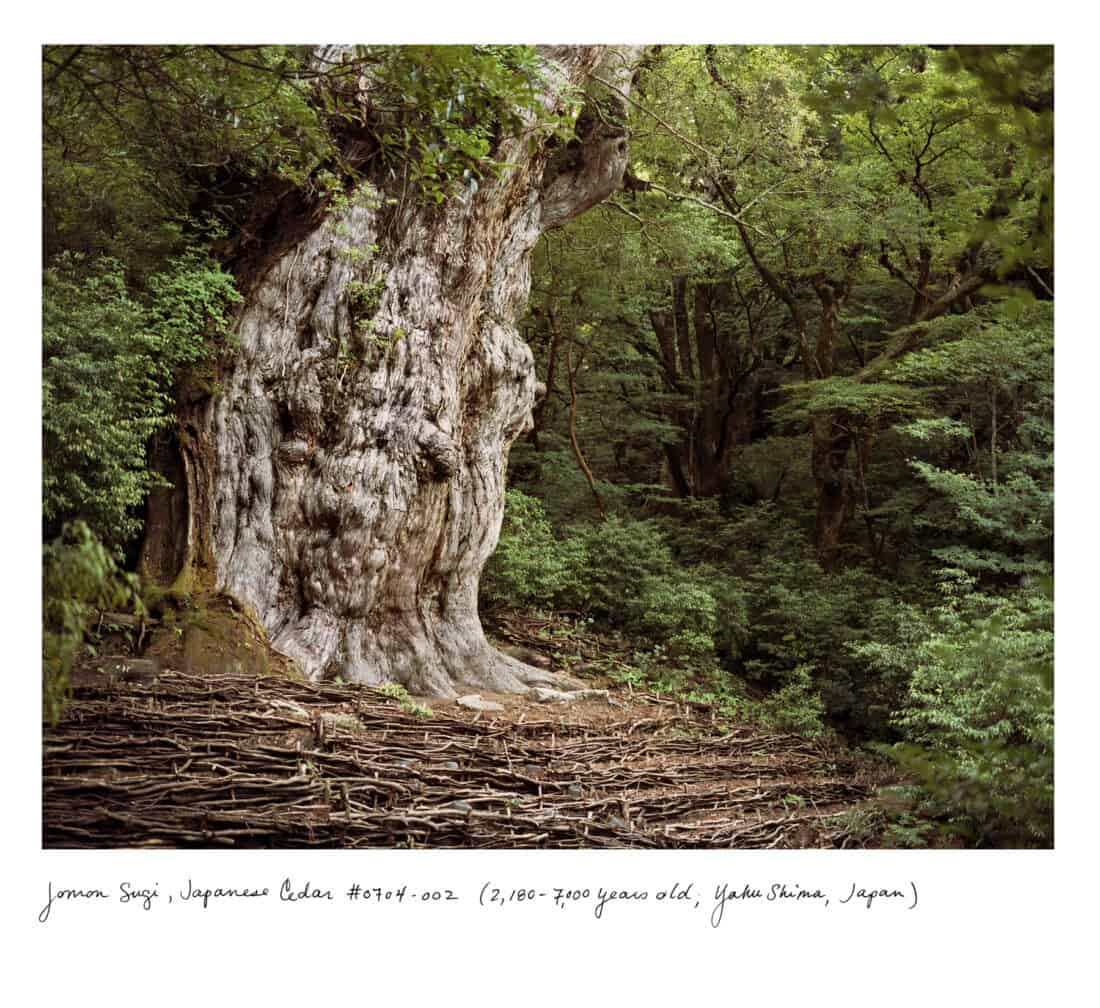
475, 703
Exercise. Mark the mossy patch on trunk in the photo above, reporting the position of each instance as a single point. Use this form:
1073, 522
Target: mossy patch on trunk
203, 632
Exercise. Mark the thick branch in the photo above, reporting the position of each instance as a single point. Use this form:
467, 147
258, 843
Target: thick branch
591, 166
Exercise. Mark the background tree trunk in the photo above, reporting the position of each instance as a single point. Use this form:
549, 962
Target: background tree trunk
359, 477
716, 407
830, 441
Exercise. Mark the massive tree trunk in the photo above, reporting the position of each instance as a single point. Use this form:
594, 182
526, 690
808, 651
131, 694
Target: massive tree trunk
359, 469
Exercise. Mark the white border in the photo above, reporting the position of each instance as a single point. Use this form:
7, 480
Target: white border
992, 926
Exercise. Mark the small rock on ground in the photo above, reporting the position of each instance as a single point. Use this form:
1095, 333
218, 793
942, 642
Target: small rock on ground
474, 702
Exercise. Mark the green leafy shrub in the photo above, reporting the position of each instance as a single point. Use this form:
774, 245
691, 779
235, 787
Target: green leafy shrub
79, 576
992, 476
797, 705
110, 360
787, 625
633, 582
623, 556
619, 572
531, 566
978, 719
395, 691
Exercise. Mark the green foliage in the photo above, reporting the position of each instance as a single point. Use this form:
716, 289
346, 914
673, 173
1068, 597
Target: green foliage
907, 830
854, 402
798, 622
978, 719
395, 691
999, 347
144, 145
991, 464
110, 362
965, 687
445, 106
619, 572
622, 557
633, 583
531, 566
796, 706
79, 577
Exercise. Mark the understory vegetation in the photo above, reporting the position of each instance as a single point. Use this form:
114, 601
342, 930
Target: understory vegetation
796, 448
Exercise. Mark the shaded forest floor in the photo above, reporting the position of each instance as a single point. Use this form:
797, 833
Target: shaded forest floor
236, 758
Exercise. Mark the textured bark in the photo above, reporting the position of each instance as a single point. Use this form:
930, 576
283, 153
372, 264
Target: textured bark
179, 536
359, 483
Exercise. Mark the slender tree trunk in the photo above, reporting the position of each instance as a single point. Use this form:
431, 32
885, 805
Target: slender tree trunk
835, 490
727, 391
713, 375
708, 465
683, 330
830, 441
679, 413
359, 474
577, 453
993, 436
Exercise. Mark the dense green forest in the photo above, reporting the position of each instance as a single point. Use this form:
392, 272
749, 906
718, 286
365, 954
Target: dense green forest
795, 449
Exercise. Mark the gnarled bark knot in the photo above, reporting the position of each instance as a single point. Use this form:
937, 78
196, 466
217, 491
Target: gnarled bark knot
357, 495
